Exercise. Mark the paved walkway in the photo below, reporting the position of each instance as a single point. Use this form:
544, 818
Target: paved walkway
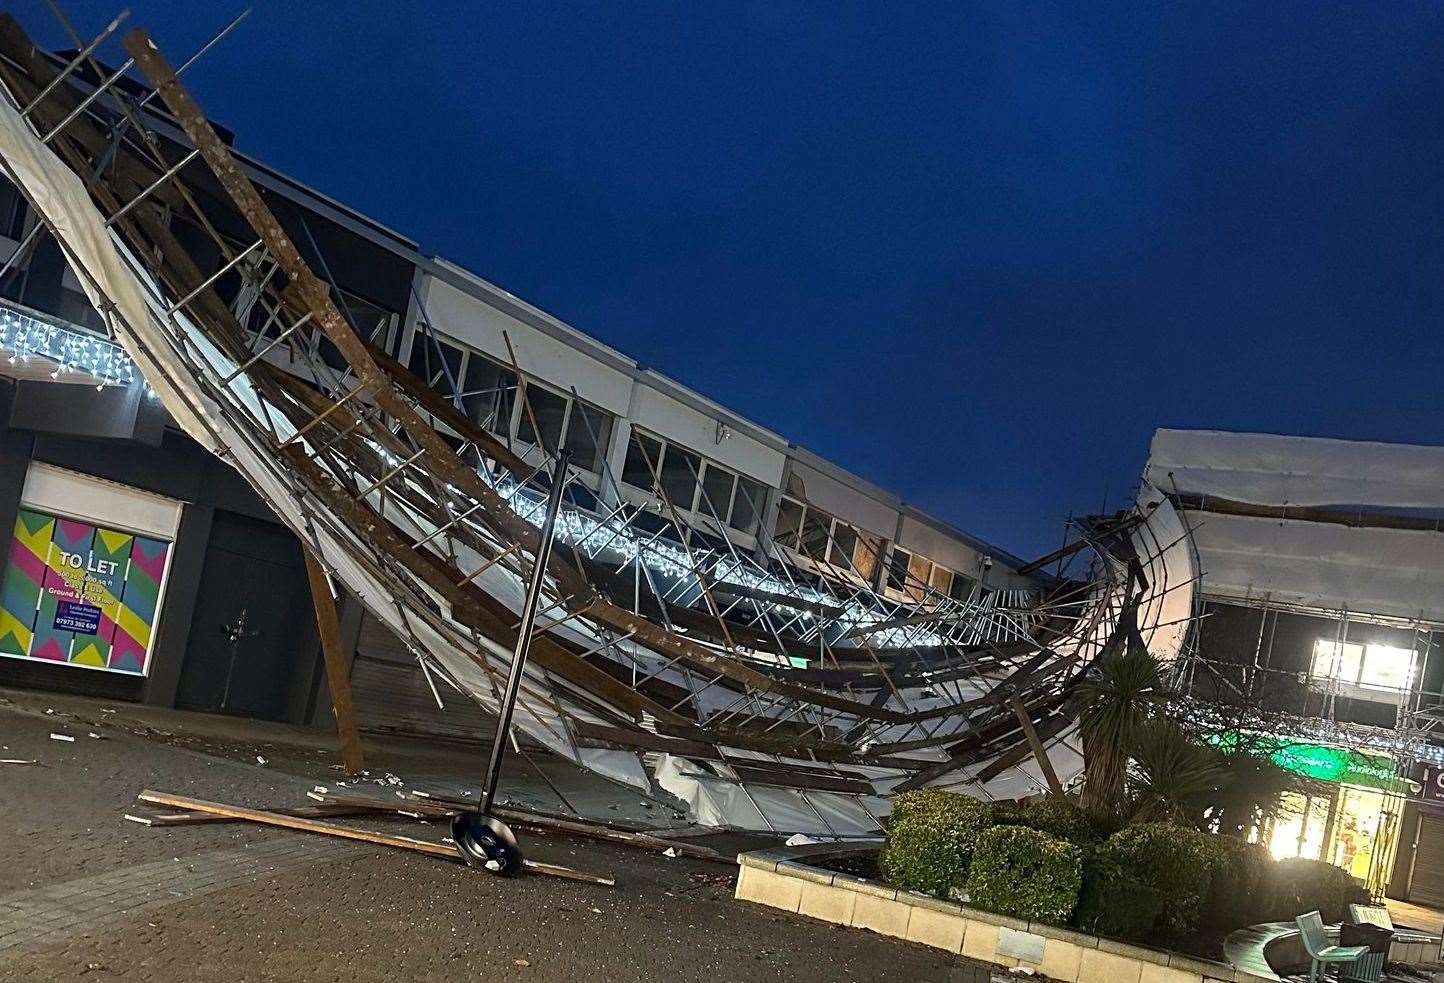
86, 896
1417, 917
57, 912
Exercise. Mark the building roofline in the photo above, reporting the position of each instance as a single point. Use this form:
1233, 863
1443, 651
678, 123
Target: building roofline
484, 290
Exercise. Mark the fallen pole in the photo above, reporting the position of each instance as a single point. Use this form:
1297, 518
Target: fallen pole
304, 825
191, 817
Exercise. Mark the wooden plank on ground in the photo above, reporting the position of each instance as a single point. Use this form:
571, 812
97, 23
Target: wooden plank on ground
192, 818
304, 825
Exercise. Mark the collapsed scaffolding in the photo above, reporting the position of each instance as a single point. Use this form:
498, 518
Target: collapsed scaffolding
764, 693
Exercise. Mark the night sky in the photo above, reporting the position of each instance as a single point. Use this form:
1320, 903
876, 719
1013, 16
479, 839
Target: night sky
975, 253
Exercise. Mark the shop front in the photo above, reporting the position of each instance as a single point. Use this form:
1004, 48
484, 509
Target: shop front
1349, 816
85, 576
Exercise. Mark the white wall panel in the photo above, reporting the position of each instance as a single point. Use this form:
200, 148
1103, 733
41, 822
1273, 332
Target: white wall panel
847, 503
456, 313
675, 420
938, 546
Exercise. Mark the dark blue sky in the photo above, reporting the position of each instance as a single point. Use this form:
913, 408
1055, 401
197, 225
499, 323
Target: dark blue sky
976, 253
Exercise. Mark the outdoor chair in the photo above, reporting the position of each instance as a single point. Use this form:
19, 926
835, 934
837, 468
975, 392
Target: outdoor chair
1321, 953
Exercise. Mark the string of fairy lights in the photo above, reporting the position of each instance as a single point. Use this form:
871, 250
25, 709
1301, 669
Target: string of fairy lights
70, 350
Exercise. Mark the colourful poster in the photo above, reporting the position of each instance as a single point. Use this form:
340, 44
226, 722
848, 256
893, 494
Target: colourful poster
80, 594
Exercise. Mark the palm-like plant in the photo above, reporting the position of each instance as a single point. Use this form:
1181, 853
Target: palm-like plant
1252, 786
1114, 706
1173, 775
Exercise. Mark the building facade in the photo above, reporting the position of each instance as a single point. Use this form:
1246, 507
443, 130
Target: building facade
1322, 620
142, 568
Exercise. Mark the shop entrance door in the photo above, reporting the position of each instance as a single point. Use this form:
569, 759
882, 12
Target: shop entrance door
250, 619
1300, 826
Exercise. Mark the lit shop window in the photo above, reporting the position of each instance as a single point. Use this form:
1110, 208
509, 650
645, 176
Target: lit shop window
1384, 667
693, 483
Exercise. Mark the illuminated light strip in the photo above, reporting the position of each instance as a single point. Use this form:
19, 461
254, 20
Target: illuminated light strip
574, 526
72, 349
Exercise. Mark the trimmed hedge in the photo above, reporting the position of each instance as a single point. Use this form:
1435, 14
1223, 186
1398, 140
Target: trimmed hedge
1047, 860
1025, 873
1113, 900
1056, 817
1292, 887
1239, 870
1146, 878
930, 840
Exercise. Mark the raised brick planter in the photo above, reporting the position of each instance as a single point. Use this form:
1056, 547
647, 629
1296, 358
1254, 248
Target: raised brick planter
782, 878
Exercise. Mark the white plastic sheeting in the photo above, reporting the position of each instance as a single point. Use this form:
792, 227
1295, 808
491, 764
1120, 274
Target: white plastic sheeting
1392, 572
1324, 565
1268, 469
1165, 609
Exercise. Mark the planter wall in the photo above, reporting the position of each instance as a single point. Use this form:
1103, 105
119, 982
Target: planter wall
782, 879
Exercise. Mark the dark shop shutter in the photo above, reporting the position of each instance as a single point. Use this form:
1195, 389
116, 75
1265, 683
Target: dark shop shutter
1427, 886
392, 696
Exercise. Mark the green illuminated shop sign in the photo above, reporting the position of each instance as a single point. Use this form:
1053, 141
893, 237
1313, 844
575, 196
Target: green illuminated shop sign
1330, 764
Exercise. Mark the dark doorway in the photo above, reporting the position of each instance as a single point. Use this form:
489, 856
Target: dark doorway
251, 620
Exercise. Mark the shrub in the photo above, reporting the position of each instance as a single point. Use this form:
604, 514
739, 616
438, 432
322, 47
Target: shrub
1156, 868
1025, 873
1113, 900
1292, 887
1238, 877
1058, 817
930, 840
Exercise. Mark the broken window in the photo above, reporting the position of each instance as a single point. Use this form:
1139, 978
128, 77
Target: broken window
844, 544
589, 432
789, 523
897, 568
487, 393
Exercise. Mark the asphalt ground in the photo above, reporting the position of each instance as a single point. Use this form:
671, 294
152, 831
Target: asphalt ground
86, 895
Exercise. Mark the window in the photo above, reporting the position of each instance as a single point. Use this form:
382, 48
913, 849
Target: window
816, 531
1383, 667
589, 433
941, 580
488, 393
747, 505
825, 539
548, 410
716, 497
489, 397
920, 569
913, 577
435, 361
844, 545
897, 569
680, 468
865, 555
961, 588
720, 494
644, 455
789, 523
